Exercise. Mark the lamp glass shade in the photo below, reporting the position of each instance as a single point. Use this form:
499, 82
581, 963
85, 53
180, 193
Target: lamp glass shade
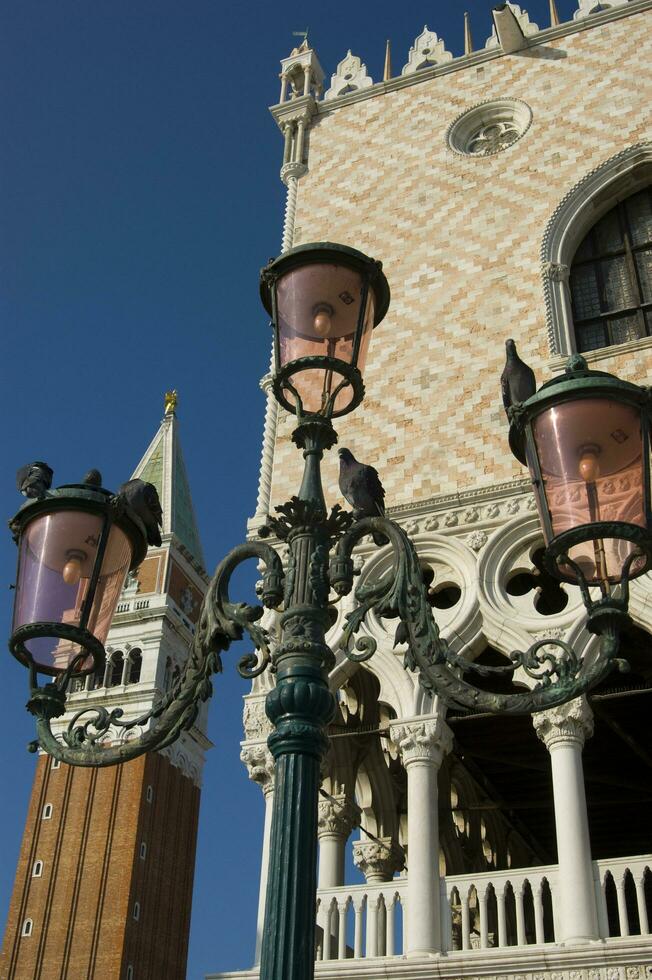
58, 553
319, 312
591, 459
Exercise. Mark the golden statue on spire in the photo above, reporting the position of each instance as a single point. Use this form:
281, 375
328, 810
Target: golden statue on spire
170, 401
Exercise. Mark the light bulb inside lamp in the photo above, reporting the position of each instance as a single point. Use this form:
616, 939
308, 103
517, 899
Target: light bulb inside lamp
589, 465
72, 570
322, 322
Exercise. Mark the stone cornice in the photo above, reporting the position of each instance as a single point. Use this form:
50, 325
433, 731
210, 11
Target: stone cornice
474, 59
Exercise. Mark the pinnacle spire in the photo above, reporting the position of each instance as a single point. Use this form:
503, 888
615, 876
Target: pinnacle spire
468, 40
387, 71
554, 16
163, 465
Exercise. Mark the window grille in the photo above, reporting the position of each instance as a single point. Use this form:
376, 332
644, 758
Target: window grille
611, 276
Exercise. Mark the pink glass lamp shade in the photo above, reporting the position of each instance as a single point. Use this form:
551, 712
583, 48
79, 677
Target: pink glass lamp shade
324, 301
72, 564
586, 441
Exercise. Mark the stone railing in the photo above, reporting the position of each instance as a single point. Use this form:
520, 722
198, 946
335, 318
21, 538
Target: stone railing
499, 909
624, 903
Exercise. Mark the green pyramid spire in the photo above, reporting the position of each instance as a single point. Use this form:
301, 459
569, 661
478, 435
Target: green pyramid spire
163, 466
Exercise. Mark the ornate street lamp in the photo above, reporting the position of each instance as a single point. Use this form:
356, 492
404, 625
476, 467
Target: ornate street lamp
75, 546
585, 437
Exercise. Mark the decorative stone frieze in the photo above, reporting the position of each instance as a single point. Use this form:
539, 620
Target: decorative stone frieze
422, 741
338, 816
378, 859
571, 722
257, 725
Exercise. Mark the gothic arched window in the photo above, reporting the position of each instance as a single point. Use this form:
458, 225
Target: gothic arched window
611, 276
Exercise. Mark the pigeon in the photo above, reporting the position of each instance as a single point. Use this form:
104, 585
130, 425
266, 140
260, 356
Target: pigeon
143, 499
34, 480
360, 485
93, 479
517, 380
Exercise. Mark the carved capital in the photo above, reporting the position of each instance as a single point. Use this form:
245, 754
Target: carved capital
422, 741
260, 765
571, 722
556, 271
337, 817
294, 169
378, 859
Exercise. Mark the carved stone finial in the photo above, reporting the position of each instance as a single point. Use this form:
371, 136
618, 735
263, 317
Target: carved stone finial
571, 722
428, 50
170, 401
350, 76
588, 7
387, 71
468, 38
427, 740
378, 859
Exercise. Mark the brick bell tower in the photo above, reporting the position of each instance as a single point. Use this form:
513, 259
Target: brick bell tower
103, 886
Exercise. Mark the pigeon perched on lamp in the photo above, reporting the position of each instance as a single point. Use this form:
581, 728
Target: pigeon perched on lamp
144, 501
34, 480
361, 487
517, 380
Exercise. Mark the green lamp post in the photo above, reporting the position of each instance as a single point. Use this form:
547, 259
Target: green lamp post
581, 435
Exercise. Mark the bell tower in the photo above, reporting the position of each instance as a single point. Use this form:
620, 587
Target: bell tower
99, 891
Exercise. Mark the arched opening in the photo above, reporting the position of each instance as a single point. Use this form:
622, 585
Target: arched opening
135, 665
611, 276
116, 666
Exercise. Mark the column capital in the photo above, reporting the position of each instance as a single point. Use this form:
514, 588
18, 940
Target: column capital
567, 723
260, 765
378, 859
422, 740
337, 817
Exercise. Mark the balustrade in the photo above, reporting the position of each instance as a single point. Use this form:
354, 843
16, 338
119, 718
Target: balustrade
496, 909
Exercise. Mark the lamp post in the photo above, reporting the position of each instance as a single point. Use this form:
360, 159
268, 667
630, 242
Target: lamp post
581, 435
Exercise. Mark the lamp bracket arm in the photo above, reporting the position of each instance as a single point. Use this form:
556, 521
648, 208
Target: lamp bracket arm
400, 592
220, 623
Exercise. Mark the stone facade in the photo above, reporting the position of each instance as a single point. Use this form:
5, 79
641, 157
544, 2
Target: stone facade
474, 180
460, 240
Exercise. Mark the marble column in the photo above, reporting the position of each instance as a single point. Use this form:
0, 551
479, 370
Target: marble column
337, 818
563, 731
260, 764
423, 743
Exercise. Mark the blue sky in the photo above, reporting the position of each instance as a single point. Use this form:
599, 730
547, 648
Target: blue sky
139, 198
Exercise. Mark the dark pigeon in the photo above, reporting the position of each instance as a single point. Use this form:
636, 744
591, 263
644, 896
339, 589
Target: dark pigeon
360, 485
34, 480
517, 380
143, 499
93, 478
